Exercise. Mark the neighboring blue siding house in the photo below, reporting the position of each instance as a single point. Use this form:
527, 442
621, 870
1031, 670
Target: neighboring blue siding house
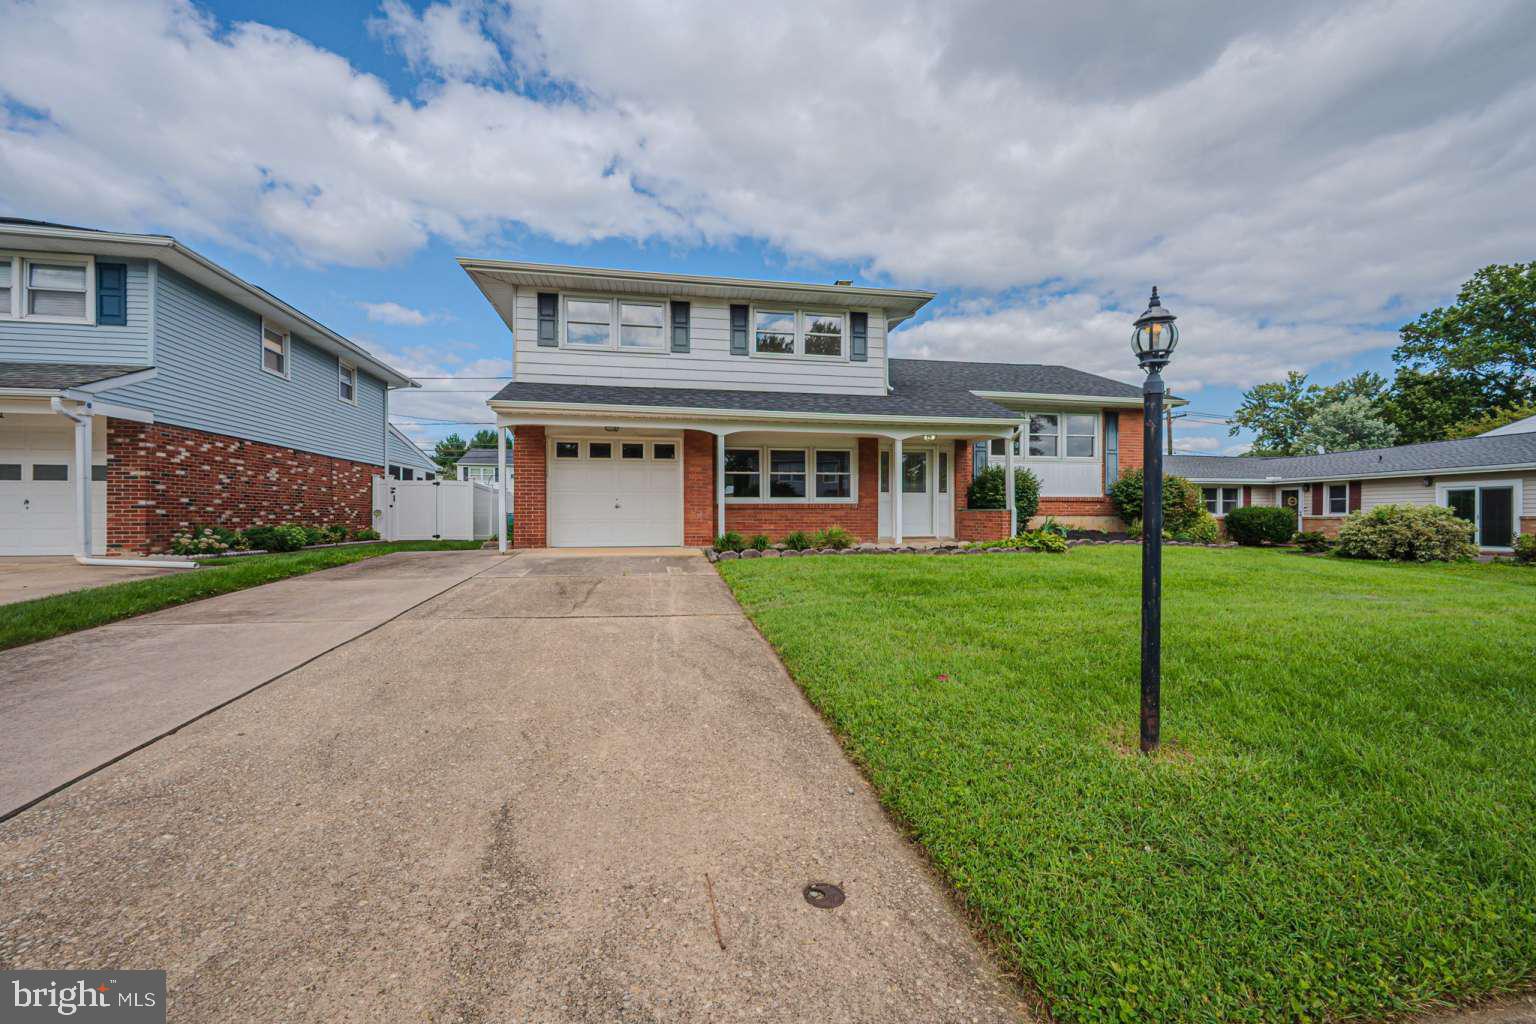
406, 460
145, 389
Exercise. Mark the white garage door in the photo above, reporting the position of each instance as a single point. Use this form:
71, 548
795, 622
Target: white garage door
615, 493
37, 486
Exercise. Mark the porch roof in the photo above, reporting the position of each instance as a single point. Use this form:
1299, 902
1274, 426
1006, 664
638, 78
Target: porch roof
60, 376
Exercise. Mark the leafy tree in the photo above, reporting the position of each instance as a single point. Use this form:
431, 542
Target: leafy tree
1492, 420
449, 451
1347, 425
1486, 339
1281, 412
1429, 406
485, 438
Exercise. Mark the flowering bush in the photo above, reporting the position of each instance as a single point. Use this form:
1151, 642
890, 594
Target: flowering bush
1407, 533
198, 541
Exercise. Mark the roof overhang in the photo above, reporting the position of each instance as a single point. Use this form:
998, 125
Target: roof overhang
198, 268
496, 278
513, 413
1083, 401
1395, 474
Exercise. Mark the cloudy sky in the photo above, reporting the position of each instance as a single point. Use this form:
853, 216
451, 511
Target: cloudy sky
1300, 178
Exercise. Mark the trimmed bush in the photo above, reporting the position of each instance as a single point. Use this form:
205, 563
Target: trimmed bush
729, 541
797, 540
366, 533
989, 488
760, 542
1203, 530
1525, 549
1407, 533
1182, 507
834, 537
1256, 525
276, 538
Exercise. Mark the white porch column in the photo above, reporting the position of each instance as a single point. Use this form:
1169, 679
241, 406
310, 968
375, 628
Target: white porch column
1013, 512
896, 483
719, 484
83, 479
501, 488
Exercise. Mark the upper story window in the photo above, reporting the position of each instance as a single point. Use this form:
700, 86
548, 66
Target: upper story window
274, 350
799, 333
347, 382
627, 324
1054, 435
51, 288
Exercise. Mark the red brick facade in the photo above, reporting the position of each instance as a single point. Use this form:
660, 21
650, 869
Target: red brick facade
529, 528
861, 519
974, 523
161, 479
700, 516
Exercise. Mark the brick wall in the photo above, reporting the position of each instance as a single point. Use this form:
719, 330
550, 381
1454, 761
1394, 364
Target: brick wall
162, 478
1326, 525
699, 511
529, 510
1132, 449
982, 523
861, 519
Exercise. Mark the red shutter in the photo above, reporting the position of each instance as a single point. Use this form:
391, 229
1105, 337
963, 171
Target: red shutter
1354, 495
1317, 499
1247, 495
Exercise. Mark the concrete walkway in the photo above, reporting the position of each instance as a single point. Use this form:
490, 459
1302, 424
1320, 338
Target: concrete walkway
512, 803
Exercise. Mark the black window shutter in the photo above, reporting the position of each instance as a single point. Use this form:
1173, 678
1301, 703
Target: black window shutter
858, 332
112, 294
680, 315
549, 319
738, 330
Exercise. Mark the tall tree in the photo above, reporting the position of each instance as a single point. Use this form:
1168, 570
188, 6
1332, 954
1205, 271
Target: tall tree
1493, 420
485, 438
1347, 425
1279, 412
1429, 406
449, 451
1485, 341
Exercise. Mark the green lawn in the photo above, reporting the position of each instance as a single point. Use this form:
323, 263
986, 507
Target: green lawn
27, 622
1343, 826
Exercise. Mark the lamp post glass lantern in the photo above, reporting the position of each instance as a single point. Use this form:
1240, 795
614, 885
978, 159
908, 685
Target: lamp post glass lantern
1153, 338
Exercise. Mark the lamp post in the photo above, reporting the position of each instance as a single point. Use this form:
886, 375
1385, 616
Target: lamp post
1153, 339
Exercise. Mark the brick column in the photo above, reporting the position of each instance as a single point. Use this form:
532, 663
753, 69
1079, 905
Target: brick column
965, 454
529, 505
130, 497
699, 510
1131, 455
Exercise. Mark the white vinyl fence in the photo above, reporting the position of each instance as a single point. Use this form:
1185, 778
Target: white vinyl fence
433, 509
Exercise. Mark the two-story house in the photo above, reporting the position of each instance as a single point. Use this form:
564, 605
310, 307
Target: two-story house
144, 388
663, 409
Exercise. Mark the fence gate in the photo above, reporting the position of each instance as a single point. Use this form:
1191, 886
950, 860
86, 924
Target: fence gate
433, 509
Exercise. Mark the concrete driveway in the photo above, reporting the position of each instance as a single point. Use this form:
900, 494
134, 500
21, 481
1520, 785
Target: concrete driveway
23, 578
511, 803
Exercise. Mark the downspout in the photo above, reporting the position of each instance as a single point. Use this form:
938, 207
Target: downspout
82, 422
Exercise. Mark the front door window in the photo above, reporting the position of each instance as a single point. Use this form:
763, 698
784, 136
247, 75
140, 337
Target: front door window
914, 473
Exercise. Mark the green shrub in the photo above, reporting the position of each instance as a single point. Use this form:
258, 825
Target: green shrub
1182, 506
1256, 525
797, 540
729, 541
336, 533
1204, 529
366, 533
277, 538
1407, 533
989, 489
1036, 540
834, 537
1525, 549
760, 542
1051, 526
1313, 541
312, 535
198, 540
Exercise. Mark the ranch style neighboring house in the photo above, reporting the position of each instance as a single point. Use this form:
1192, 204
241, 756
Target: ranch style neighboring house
144, 388
1488, 480
478, 464
664, 409
406, 459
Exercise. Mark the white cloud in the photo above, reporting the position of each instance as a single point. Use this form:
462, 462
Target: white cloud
441, 406
1193, 445
394, 313
1293, 175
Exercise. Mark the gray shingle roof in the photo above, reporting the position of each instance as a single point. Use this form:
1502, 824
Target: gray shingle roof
932, 388
1404, 460
481, 457
59, 376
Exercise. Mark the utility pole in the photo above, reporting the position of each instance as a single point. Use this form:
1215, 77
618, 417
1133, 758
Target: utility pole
1171, 418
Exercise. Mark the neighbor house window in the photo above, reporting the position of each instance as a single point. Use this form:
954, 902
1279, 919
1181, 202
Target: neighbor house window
786, 473
274, 350
834, 474
798, 333
1220, 500
57, 290
1338, 499
743, 473
347, 383
7, 280
589, 323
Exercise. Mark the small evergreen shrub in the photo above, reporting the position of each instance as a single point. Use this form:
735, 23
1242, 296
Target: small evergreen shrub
990, 488
1313, 542
1182, 505
760, 542
797, 540
1525, 549
366, 533
276, 538
834, 537
1256, 525
729, 541
1407, 533
336, 533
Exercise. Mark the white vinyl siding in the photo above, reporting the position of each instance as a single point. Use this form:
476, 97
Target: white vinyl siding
707, 364
1410, 490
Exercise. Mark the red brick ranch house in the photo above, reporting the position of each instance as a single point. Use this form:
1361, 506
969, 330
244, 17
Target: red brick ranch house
661, 409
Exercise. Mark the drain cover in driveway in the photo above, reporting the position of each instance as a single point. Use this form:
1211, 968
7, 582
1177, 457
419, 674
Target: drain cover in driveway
824, 895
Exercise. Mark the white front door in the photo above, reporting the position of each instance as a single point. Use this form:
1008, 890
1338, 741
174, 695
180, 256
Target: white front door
37, 486
615, 493
917, 493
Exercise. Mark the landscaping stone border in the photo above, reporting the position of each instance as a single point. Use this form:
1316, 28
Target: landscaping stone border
780, 551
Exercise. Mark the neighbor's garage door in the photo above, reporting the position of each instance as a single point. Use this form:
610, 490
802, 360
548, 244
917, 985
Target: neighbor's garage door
37, 488
615, 493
